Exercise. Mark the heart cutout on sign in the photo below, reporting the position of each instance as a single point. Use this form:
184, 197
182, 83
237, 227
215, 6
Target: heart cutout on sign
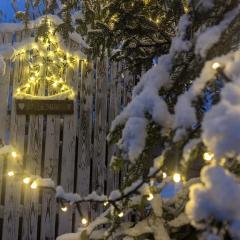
21, 106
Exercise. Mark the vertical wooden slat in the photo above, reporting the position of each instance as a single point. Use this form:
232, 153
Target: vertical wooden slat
84, 135
48, 214
99, 168
68, 157
13, 185
4, 93
33, 165
114, 109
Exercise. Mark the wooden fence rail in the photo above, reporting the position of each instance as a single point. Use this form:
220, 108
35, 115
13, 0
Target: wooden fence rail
70, 149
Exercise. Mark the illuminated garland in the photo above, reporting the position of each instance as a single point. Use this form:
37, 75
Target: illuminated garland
46, 65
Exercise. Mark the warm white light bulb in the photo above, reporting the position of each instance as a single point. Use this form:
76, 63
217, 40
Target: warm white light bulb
64, 208
14, 154
150, 197
26, 180
84, 221
105, 203
11, 173
176, 177
208, 156
164, 175
216, 65
121, 214
34, 185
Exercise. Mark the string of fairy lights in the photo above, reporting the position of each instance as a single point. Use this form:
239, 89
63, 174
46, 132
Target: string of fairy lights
47, 63
32, 181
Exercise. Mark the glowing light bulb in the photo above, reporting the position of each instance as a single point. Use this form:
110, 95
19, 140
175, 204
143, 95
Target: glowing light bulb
105, 203
55, 84
35, 46
32, 78
176, 177
26, 180
208, 156
164, 175
64, 208
216, 65
11, 173
150, 197
121, 214
34, 185
14, 154
84, 221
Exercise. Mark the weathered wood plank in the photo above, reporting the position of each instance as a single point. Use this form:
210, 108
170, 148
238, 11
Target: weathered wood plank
99, 167
48, 214
33, 166
114, 109
17, 132
84, 136
68, 156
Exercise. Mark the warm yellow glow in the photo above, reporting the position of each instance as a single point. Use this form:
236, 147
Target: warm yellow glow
164, 175
64, 208
34, 185
51, 61
105, 203
55, 84
121, 214
32, 78
26, 180
176, 177
11, 173
84, 221
216, 65
14, 154
150, 197
208, 156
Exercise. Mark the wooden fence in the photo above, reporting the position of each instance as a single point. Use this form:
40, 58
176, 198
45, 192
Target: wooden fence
70, 149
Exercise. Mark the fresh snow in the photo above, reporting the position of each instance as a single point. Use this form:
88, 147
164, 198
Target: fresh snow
211, 35
217, 197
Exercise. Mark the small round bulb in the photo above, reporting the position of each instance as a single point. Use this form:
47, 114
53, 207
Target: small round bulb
150, 197
176, 177
216, 65
64, 208
14, 154
34, 185
164, 175
26, 180
84, 221
105, 203
121, 214
11, 173
208, 156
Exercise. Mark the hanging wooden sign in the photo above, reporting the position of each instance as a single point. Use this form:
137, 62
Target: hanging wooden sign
34, 107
